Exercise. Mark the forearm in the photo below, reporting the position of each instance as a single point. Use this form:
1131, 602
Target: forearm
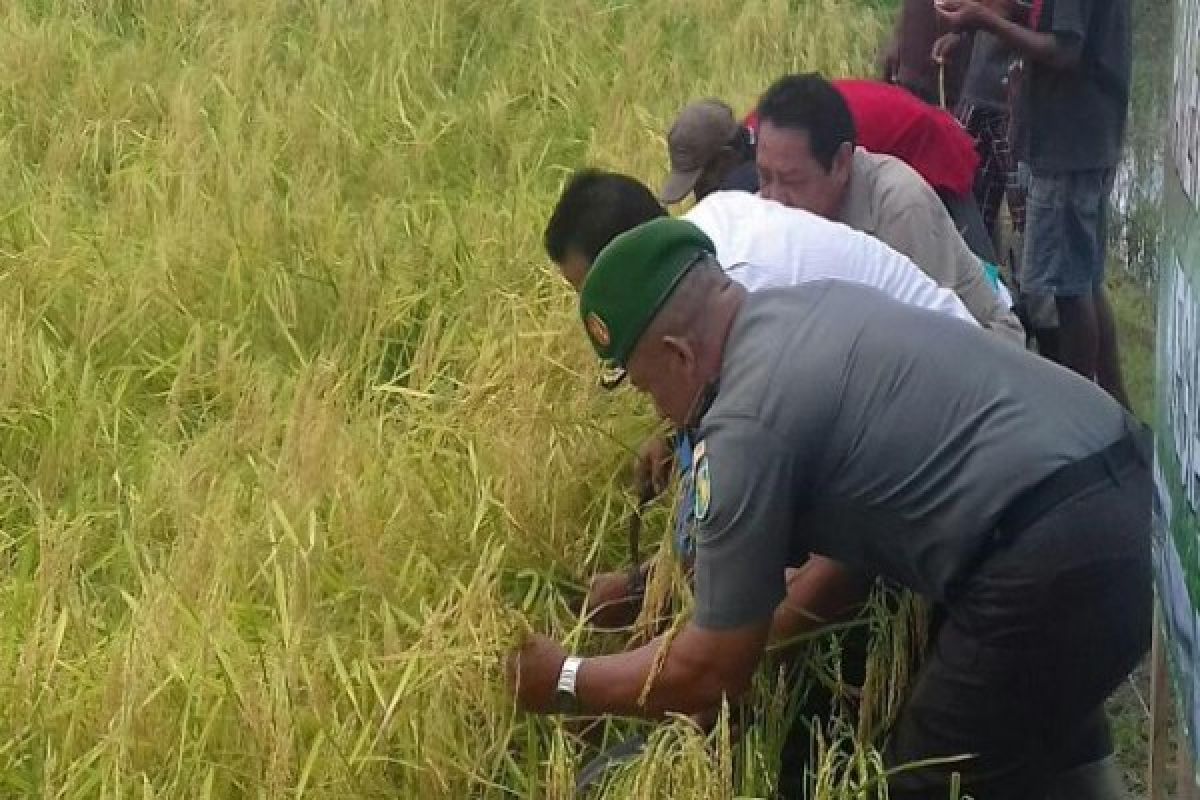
1006, 324
791, 620
819, 594
685, 684
652, 470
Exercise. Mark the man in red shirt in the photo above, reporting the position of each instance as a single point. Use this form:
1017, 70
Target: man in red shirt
889, 121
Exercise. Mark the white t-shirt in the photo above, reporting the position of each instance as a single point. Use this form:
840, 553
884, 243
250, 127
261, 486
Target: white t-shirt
765, 245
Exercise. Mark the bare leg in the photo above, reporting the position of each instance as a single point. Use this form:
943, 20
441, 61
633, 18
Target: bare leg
1108, 361
1078, 334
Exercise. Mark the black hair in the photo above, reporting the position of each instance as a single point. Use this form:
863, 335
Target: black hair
596, 207
811, 104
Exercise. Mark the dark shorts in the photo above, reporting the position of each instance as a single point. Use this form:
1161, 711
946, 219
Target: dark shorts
1065, 232
1030, 648
965, 213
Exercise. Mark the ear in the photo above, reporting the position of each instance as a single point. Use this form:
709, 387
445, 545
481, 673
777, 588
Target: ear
574, 268
679, 353
843, 162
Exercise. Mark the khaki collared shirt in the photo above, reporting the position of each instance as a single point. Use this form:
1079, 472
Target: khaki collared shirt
890, 201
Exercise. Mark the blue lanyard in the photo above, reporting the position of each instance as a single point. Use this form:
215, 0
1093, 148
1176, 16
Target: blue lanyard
685, 543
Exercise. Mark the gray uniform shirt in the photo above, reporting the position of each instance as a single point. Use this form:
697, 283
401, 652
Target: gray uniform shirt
881, 435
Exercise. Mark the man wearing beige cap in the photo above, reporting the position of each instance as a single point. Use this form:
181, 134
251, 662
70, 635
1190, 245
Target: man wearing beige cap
709, 151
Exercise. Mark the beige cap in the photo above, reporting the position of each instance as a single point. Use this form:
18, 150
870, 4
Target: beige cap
699, 133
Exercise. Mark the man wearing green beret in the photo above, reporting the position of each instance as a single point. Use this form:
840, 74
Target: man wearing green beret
832, 434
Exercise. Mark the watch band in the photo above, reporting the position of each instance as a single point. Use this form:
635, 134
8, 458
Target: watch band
564, 692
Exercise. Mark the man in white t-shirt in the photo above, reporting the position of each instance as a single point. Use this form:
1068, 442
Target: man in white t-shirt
765, 245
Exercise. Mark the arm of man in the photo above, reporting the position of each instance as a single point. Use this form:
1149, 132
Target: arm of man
705, 665
745, 494
745, 499
819, 593
914, 222
1061, 48
701, 666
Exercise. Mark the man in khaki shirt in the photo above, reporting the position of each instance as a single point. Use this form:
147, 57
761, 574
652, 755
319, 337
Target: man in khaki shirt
807, 159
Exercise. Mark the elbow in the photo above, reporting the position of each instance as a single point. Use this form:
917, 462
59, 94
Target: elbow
712, 683
703, 667
735, 684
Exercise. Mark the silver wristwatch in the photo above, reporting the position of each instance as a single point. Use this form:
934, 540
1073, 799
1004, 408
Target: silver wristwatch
565, 699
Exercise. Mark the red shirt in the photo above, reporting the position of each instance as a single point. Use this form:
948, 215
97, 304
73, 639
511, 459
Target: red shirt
892, 121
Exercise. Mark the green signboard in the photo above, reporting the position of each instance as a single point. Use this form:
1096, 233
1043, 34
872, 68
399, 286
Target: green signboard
1177, 536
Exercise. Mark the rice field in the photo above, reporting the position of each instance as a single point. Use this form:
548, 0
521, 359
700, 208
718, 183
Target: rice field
298, 432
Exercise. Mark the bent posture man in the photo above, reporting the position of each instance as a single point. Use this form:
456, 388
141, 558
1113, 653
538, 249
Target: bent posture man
807, 158
1012, 492
709, 150
761, 245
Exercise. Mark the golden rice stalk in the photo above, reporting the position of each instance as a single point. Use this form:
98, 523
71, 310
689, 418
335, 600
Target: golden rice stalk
899, 623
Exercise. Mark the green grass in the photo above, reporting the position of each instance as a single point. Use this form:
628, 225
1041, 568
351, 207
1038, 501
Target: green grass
297, 428
1134, 309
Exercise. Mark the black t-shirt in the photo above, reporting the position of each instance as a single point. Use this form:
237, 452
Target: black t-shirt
986, 84
1075, 119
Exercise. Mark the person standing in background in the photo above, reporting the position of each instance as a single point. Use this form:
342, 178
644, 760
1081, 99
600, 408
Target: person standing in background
1074, 108
985, 111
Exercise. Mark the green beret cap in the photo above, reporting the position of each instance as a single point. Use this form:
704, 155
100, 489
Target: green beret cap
632, 278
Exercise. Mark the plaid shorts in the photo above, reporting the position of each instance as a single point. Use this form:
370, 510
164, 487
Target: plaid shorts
997, 175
